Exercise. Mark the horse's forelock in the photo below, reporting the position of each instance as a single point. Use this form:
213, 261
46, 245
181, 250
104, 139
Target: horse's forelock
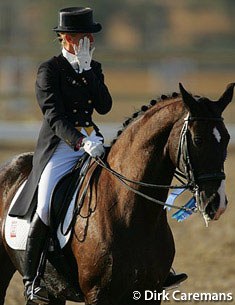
206, 107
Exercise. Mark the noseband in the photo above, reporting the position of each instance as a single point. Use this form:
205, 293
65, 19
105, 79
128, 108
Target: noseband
184, 159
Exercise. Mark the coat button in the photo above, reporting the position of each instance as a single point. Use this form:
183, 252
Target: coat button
84, 80
87, 123
86, 112
74, 110
74, 82
76, 123
89, 101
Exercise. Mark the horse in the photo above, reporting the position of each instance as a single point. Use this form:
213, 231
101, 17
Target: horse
121, 242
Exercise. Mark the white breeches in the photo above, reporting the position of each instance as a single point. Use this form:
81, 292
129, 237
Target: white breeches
61, 162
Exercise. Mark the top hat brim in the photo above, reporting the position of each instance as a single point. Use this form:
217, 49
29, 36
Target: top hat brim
94, 28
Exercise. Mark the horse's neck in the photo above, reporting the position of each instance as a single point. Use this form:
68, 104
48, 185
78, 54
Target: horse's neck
141, 154
141, 151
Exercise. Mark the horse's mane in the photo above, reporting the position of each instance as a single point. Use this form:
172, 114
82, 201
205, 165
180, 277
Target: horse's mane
137, 114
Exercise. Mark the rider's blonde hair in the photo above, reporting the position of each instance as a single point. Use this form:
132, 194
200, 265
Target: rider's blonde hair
61, 38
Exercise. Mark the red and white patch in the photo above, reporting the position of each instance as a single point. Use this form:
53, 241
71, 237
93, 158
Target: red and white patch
13, 228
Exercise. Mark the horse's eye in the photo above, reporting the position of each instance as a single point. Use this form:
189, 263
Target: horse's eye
197, 140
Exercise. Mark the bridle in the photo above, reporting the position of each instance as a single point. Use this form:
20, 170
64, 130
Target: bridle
184, 158
184, 170
185, 164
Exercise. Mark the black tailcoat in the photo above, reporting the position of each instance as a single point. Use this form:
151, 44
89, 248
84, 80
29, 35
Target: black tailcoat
67, 100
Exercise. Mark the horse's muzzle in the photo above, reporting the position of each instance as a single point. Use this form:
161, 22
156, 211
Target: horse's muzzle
215, 202
216, 208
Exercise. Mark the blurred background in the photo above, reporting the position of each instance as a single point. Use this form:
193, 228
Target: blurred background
146, 48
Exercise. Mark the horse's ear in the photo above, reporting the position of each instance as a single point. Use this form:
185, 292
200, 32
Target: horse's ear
188, 100
226, 97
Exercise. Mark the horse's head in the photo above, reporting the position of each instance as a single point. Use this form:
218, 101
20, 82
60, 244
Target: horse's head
203, 148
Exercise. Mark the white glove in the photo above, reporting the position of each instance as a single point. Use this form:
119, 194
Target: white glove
93, 146
84, 54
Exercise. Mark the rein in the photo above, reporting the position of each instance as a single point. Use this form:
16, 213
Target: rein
123, 180
187, 173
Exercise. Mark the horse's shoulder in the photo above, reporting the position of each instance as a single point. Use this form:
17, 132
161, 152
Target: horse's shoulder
19, 165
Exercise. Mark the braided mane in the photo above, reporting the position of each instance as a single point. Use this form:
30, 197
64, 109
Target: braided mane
142, 110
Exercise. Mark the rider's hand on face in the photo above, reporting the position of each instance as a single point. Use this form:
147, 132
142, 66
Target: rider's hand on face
84, 52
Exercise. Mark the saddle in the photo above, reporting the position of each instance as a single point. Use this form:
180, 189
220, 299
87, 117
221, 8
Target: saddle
68, 187
62, 208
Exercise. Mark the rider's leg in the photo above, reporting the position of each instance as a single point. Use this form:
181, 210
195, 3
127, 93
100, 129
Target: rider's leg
61, 162
35, 245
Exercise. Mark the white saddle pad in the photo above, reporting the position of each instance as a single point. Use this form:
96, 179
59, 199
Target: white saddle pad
17, 229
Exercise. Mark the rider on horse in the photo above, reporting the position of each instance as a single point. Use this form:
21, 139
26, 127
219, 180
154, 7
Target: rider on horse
68, 88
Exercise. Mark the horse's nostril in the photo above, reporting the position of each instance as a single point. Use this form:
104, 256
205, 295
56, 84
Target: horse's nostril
210, 211
213, 205
215, 208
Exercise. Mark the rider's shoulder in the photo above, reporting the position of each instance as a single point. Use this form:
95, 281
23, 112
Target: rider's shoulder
50, 63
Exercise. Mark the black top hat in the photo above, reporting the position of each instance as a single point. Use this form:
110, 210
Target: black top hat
77, 20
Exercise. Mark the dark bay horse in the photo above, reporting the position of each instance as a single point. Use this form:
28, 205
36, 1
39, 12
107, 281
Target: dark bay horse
122, 243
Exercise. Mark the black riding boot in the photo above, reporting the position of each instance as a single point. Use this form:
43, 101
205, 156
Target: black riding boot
36, 242
173, 279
